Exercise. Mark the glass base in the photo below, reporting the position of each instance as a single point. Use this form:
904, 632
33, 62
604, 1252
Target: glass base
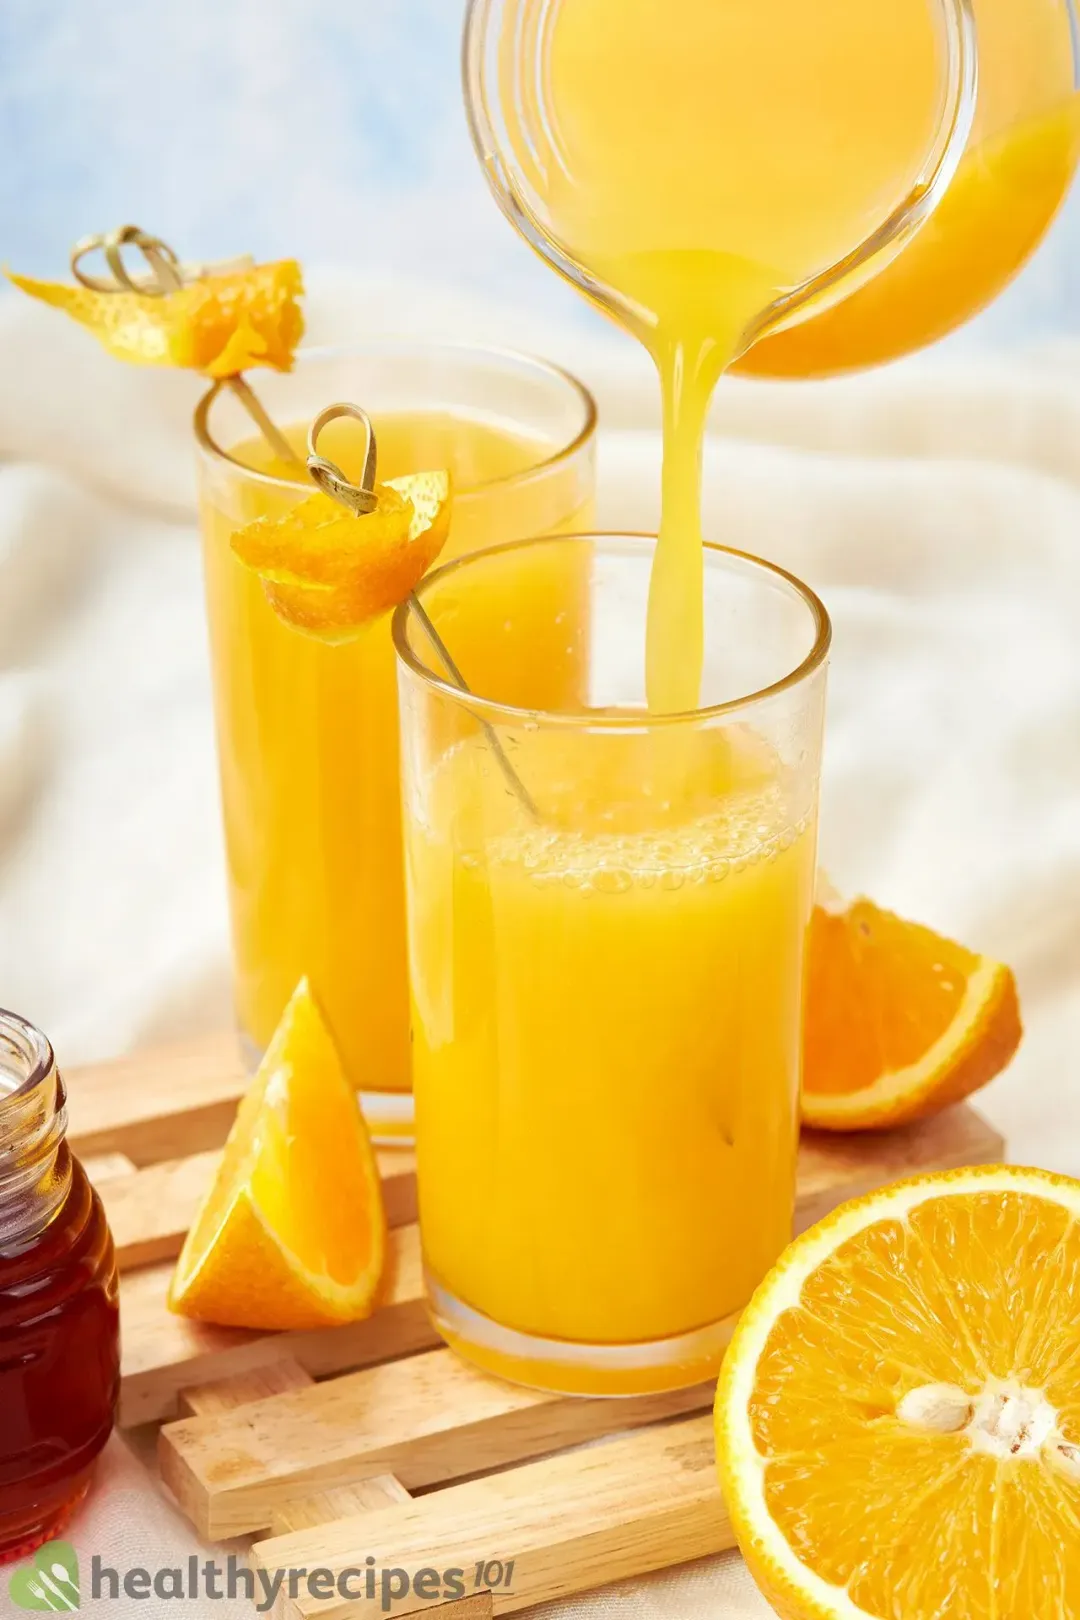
563, 1368
389, 1114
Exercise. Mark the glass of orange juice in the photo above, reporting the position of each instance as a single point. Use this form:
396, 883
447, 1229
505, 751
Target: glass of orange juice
608, 913
307, 732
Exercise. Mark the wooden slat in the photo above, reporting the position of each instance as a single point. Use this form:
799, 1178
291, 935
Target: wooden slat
342, 1502
477, 1607
163, 1104
426, 1420
283, 1377
150, 1211
102, 1167
569, 1523
163, 1354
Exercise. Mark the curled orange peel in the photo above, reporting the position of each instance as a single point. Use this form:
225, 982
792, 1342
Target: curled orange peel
219, 325
331, 573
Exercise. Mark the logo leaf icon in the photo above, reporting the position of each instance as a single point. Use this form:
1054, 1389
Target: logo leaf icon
51, 1583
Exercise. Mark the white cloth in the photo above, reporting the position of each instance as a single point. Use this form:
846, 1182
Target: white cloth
936, 510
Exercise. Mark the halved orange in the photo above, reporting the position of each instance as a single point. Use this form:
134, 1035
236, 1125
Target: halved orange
219, 324
330, 572
898, 1414
292, 1234
900, 1021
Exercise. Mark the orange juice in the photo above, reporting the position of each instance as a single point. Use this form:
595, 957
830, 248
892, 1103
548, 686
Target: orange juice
308, 738
588, 1085
1019, 164
700, 165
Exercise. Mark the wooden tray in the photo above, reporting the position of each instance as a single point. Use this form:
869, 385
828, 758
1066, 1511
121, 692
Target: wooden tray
402, 1453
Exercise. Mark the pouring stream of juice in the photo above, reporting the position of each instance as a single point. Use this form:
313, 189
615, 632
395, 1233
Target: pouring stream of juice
700, 167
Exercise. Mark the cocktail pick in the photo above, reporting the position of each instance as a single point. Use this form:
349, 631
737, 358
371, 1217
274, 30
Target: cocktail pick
166, 274
361, 498
263, 324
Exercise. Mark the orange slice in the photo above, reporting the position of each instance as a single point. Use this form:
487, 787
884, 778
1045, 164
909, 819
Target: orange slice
219, 325
900, 1021
330, 572
898, 1415
292, 1234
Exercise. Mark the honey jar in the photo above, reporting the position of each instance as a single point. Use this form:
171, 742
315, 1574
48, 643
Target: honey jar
59, 1315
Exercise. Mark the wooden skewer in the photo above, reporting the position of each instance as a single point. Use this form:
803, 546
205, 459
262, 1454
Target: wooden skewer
255, 408
361, 499
166, 276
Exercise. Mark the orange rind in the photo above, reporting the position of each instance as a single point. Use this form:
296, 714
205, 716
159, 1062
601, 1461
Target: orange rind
218, 325
900, 1021
320, 542
898, 1414
330, 573
292, 1233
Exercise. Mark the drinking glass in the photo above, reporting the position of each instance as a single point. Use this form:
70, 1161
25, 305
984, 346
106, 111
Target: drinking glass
307, 732
608, 916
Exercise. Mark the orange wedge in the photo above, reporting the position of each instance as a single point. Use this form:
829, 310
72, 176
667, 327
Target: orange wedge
900, 1021
219, 325
292, 1234
330, 572
898, 1415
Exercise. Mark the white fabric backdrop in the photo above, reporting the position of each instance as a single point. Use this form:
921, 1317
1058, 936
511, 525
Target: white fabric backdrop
936, 509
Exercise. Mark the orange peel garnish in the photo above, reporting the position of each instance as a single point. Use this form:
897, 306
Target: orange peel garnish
219, 325
330, 572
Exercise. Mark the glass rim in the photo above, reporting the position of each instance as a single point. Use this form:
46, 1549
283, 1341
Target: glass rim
337, 351
490, 709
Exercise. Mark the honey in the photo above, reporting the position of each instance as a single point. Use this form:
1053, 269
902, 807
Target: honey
59, 1316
